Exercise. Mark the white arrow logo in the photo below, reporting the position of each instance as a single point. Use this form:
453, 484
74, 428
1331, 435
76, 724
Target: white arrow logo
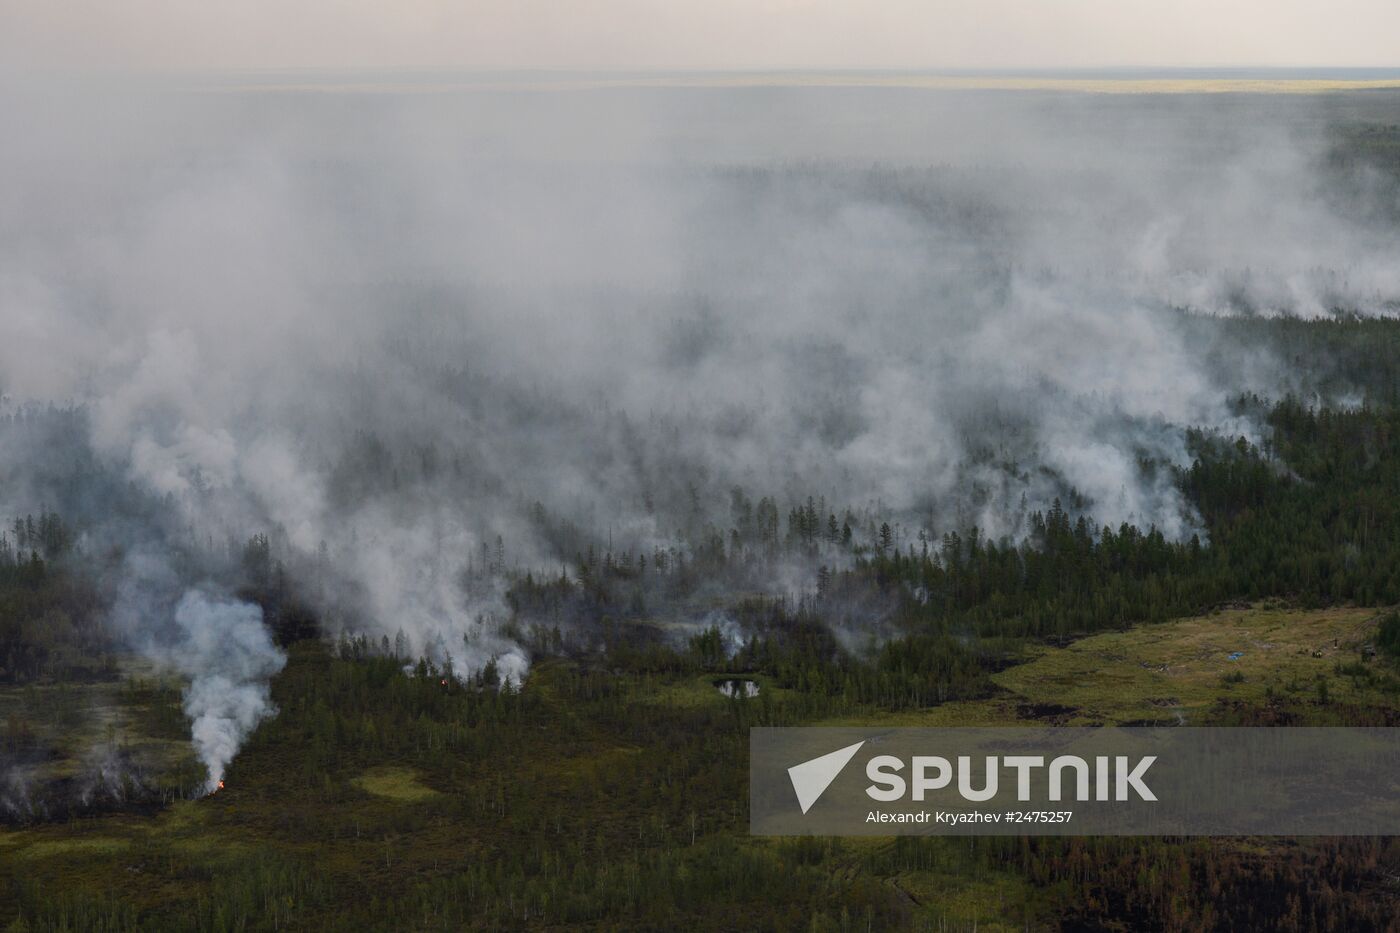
811, 778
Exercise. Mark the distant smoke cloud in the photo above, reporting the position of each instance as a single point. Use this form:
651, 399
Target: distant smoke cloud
381, 328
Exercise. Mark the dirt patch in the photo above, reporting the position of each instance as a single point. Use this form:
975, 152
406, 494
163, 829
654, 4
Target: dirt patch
1052, 713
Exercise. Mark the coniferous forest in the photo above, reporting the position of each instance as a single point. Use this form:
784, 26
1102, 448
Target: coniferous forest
608, 787
414, 492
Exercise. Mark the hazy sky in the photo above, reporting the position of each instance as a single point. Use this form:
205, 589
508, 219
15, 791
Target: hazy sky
696, 34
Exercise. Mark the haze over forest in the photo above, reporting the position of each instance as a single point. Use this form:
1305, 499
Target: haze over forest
434, 436
424, 342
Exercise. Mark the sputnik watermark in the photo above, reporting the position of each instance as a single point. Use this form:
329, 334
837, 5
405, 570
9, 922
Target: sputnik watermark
1124, 779
1116, 778
1192, 781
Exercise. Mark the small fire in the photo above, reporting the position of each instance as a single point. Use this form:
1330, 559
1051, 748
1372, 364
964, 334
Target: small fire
220, 787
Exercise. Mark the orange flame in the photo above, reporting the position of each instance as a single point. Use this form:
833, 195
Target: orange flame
220, 787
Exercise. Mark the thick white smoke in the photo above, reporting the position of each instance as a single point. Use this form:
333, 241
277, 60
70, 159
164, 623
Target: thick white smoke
218, 644
223, 648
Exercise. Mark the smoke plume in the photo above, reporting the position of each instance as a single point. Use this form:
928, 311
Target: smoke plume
224, 650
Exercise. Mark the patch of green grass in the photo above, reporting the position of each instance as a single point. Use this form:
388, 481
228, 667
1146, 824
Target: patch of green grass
703, 690
1178, 670
79, 846
400, 784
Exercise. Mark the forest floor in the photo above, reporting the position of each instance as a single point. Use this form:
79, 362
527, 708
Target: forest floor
620, 803
111, 737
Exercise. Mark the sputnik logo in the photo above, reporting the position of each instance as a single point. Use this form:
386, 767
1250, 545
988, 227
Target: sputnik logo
811, 778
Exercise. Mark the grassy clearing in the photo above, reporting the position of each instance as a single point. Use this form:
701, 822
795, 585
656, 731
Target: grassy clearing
702, 690
1181, 672
401, 784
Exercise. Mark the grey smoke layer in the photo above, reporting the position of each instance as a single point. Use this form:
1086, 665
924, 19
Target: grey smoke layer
383, 327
